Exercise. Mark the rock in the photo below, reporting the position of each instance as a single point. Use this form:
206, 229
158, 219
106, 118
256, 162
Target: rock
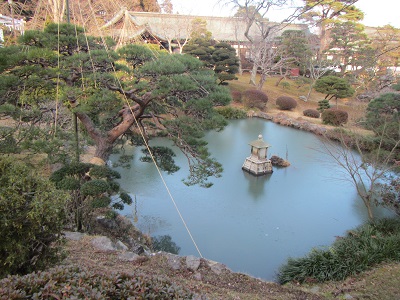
134, 246
303, 98
216, 267
192, 262
121, 246
197, 276
128, 256
103, 243
107, 222
315, 289
279, 162
174, 261
348, 296
75, 236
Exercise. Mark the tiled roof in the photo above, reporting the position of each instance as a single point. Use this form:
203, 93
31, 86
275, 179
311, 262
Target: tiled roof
173, 26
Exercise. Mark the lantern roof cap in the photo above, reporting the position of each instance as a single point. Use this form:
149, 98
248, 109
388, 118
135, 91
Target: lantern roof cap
259, 143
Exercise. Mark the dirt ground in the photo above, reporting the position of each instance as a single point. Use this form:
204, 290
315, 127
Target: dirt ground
381, 283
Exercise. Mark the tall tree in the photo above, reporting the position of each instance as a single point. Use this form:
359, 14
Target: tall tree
114, 94
254, 13
348, 42
323, 14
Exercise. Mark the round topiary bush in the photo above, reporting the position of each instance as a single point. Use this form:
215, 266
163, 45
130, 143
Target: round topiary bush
236, 96
312, 113
286, 103
334, 116
255, 99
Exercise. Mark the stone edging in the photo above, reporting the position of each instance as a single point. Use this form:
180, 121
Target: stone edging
284, 120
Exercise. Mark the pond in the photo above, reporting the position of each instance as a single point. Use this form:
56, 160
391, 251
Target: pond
251, 224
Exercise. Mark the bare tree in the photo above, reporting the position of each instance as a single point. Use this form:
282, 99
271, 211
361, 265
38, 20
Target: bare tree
316, 69
272, 59
260, 32
365, 170
180, 32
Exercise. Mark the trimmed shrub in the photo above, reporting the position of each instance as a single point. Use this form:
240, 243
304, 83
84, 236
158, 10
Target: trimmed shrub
312, 113
359, 250
323, 104
31, 219
231, 113
286, 103
255, 99
236, 96
81, 283
334, 116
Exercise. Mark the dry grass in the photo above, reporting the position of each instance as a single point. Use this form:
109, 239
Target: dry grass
354, 108
225, 286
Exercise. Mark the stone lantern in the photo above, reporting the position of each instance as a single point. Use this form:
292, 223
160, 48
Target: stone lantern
257, 163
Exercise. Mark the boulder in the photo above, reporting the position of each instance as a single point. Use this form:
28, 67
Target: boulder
103, 243
279, 162
192, 262
128, 256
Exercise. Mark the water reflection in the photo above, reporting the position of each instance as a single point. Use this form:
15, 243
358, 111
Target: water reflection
256, 184
165, 243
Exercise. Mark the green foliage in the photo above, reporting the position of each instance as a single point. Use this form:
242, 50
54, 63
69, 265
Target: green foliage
232, 113
396, 86
90, 187
286, 103
165, 243
382, 117
81, 283
31, 219
334, 86
323, 104
135, 55
359, 250
335, 117
202, 49
312, 113
390, 194
100, 87
295, 44
255, 99
164, 158
226, 63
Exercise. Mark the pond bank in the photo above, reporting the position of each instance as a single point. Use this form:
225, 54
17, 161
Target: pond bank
283, 119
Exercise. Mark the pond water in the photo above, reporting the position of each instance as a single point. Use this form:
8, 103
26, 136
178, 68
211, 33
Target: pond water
251, 224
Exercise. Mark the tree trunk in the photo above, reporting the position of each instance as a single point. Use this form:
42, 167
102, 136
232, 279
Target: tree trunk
263, 78
104, 141
253, 75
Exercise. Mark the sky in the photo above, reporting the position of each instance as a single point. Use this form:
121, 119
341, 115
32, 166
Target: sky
376, 12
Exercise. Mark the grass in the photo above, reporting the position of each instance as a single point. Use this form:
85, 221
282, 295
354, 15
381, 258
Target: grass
367, 246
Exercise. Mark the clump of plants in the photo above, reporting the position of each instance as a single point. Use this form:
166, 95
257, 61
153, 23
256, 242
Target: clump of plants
335, 117
231, 113
91, 187
80, 283
31, 219
396, 86
311, 113
361, 249
255, 99
286, 103
323, 104
236, 96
